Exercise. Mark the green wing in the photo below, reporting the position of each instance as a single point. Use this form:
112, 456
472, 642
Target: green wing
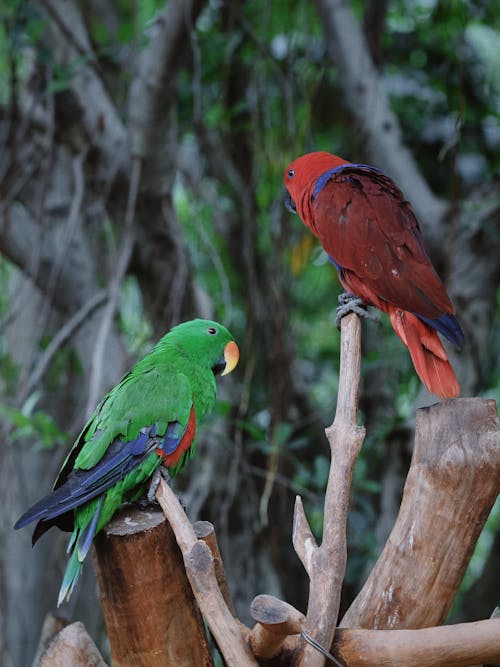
155, 397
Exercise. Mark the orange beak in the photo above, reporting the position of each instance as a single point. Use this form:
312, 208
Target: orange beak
231, 356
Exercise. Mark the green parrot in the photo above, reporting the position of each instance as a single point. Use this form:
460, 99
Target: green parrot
150, 418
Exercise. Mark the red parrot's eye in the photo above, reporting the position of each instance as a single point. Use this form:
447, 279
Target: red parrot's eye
291, 173
212, 331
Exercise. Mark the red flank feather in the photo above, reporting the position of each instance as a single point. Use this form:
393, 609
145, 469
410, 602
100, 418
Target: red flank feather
187, 439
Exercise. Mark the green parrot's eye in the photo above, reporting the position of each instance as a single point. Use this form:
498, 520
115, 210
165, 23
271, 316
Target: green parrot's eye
212, 331
291, 173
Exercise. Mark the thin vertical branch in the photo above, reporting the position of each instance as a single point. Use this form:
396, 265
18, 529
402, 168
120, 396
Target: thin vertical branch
325, 564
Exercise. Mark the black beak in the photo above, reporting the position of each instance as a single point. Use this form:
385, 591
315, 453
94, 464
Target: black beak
289, 203
219, 366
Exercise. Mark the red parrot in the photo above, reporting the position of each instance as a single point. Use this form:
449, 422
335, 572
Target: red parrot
372, 236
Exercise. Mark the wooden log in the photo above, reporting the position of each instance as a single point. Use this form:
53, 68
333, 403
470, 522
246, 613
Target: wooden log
276, 620
452, 484
151, 616
72, 646
445, 646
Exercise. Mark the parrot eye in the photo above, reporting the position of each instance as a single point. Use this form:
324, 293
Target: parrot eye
212, 331
291, 173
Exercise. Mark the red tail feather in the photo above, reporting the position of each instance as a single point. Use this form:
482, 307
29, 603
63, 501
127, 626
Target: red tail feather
427, 353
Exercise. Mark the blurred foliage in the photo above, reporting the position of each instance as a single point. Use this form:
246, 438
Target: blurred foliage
34, 426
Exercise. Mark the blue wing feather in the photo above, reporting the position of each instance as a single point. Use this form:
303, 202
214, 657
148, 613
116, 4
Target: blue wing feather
120, 458
87, 535
173, 436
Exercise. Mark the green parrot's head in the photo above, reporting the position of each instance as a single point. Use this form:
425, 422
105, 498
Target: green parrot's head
206, 342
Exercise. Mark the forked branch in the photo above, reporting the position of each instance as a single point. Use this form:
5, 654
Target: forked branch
325, 564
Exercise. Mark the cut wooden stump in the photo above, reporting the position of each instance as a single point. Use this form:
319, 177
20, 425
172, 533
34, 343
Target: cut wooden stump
51, 626
72, 647
151, 615
452, 484
276, 621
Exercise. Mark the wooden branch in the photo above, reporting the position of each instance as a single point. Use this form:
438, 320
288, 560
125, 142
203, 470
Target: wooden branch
276, 620
147, 602
445, 646
452, 484
205, 531
325, 564
304, 542
200, 570
72, 646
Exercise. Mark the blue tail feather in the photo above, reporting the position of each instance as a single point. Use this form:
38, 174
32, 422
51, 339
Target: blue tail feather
71, 576
447, 325
87, 534
79, 546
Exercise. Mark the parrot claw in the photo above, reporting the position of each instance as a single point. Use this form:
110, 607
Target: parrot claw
164, 473
348, 303
143, 503
150, 497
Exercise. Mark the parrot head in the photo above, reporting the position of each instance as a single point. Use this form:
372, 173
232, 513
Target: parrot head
205, 341
301, 176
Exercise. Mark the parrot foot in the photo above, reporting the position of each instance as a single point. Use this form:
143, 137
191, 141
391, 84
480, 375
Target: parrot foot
159, 473
348, 303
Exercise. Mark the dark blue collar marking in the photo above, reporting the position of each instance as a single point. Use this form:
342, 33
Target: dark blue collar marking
325, 177
337, 266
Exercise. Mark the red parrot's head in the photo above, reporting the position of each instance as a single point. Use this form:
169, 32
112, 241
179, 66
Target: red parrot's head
301, 176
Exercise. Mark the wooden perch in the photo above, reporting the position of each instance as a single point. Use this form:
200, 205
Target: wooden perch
325, 564
276, 620
446, 646
199, 564
452, 484
72, 646
150, 613
205, 531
